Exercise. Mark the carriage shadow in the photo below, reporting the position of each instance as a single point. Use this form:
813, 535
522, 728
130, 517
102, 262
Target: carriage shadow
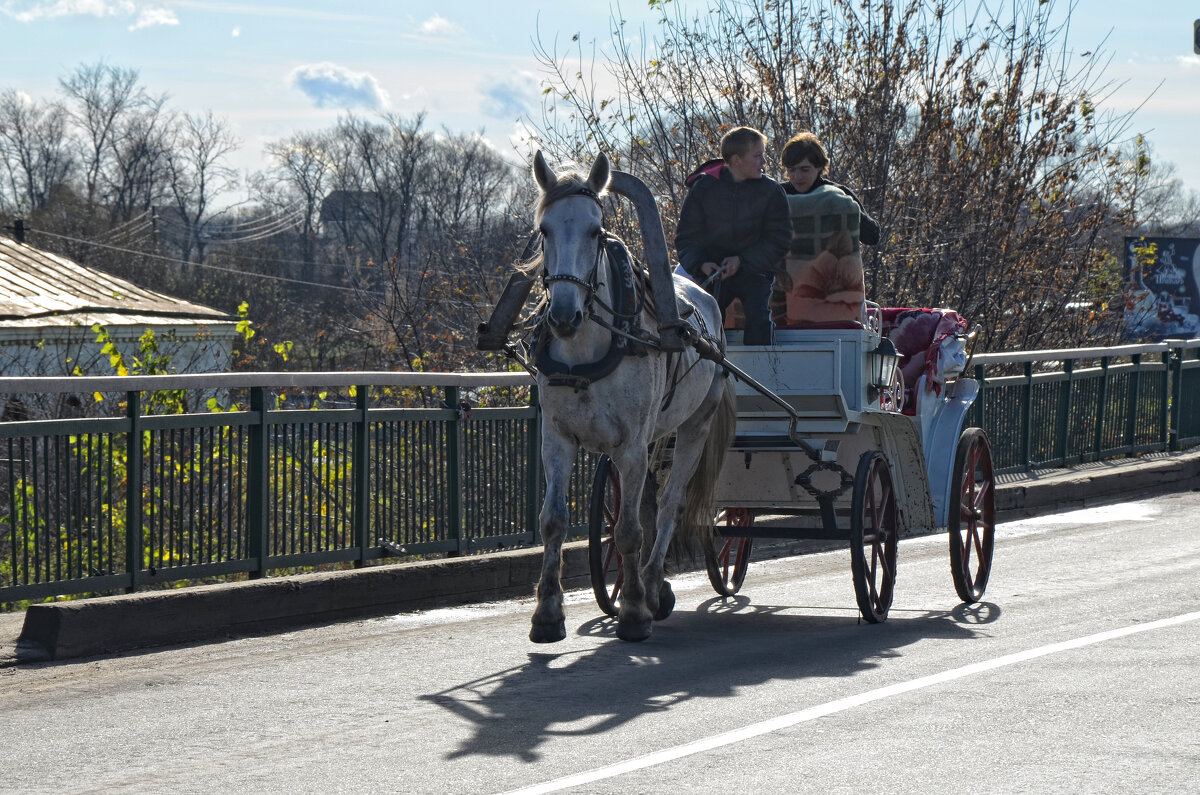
722, 647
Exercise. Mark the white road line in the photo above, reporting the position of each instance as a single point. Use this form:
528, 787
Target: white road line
821, 710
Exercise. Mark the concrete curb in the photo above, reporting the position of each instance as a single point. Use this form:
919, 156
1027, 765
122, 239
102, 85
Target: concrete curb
89, 627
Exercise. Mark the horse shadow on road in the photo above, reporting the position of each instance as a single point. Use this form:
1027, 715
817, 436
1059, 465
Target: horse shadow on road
713, 652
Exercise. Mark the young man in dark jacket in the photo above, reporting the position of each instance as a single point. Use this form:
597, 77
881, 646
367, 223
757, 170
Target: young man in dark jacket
736, 220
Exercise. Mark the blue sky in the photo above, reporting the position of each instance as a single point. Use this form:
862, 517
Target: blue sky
275, 68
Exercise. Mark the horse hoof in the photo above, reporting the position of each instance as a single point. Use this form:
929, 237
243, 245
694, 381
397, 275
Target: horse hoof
666, 602
633, 631
548, 633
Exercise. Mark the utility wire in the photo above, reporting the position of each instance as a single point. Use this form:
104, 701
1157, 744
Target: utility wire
484, 305
120, 230
174, 261
254, 230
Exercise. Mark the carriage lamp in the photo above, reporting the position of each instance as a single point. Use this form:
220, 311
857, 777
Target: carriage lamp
883, 362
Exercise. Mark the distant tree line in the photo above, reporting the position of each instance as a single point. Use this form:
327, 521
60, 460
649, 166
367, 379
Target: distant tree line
981, 144
375, 244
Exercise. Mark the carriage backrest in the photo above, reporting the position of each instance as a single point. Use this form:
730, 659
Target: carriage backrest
824, 262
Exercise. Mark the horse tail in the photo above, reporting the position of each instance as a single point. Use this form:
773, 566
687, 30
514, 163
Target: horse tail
700, 500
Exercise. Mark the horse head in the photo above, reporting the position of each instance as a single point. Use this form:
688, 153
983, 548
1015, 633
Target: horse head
571, 220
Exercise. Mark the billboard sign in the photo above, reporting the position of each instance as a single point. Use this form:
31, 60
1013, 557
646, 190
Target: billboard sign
1162, 295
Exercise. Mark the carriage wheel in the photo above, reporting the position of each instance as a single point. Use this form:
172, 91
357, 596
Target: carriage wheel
603, 557
874, 536
727, 558
971, 522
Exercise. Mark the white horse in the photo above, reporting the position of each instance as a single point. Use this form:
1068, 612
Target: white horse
642, 399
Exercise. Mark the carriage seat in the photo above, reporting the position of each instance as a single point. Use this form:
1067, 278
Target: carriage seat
823, 324
931, 343
735, 318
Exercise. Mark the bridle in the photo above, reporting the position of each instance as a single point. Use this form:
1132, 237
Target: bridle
590, 285
628, 337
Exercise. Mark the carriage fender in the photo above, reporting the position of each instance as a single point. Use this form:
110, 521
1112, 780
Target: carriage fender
897, 435
940, 441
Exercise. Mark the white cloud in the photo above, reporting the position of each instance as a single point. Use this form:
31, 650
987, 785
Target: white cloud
512, 97
438, 25
49, 9
153, 17
330, 85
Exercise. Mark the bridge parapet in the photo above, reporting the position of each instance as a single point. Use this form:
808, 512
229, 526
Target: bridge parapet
290, 471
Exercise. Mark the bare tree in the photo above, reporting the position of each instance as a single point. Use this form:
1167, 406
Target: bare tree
298, 178
471, 215
976, 138
138, 171
198, 174
1155, 201
34, 150
98, 97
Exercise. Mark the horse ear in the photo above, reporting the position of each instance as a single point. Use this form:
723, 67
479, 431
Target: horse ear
601, 174
545, 177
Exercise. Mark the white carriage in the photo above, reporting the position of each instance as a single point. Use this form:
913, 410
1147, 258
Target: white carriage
830, 445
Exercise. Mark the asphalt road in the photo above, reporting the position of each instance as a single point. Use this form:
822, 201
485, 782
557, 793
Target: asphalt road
1077, 674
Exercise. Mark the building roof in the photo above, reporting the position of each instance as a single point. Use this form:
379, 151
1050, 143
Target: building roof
44, 289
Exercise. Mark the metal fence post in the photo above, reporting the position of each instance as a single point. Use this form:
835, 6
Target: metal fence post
1064, 413
134, 548
533, 473
360, 518
454, 480
1176, 400
977, 407
256, 485
1131, 413
1098, 437
1164, 416
1027, 417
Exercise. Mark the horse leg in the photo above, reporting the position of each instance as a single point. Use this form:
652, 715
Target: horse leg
689, 444
649, 512
549, 618
634, 619
660, 602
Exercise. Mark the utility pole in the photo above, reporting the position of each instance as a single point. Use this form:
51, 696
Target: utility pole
18, 229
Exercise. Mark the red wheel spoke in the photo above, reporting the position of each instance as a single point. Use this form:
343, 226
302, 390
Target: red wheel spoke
615, 590
726, 557
981, 495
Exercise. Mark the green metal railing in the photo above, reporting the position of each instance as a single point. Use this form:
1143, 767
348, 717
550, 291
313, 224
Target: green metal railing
313, 469
1046, 409
357, 474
